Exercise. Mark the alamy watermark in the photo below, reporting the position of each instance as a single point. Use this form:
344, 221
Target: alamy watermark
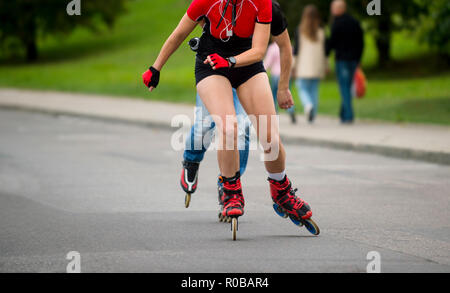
228, 133
74, 265
374, 265
374, 7
74, 7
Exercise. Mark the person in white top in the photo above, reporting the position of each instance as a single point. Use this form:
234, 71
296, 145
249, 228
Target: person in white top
310, 64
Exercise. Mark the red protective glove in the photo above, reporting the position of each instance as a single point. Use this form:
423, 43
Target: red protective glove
218, 61
151, 77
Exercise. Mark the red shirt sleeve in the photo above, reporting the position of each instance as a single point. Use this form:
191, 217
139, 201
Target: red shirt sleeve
264, 11
196, 10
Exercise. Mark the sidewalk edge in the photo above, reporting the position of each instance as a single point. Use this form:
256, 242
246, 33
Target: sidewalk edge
440, 158
402, 153
111, 119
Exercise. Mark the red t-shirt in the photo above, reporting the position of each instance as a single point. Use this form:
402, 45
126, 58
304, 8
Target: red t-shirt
248, 12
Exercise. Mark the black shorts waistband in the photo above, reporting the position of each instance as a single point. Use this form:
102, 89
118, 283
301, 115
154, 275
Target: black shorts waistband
236, 76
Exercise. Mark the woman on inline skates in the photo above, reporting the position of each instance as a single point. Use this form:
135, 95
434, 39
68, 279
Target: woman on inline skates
232, 47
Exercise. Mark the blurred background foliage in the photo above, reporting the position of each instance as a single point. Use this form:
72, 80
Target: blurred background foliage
23, 22
435, 26
430, 17
105, 50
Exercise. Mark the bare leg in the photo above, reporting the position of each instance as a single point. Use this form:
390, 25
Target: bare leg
217, 95
256, 98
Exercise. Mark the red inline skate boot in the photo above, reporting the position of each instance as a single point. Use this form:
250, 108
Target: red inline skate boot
287, 205
232, 200
284, 196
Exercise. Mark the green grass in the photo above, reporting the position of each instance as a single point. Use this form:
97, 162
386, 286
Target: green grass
111, 62
424, 100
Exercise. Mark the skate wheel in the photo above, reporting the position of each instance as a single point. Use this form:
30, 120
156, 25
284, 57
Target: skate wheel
296, 221
187, 200
234, 227
312, 227
220, 216
279, 211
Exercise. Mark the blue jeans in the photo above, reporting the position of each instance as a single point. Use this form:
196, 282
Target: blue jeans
202, 133
274, 79
309, 92
345, 71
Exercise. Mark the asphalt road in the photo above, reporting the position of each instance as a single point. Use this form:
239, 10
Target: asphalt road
111, 192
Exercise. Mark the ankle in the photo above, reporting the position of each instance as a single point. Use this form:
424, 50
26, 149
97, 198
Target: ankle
231, 180
278, 176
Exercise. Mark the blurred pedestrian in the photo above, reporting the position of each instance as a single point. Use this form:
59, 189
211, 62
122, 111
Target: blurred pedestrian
272, 63
310, 60
347, 40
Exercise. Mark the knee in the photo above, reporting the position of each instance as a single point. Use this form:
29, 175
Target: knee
272, 142
274, 151
229, 130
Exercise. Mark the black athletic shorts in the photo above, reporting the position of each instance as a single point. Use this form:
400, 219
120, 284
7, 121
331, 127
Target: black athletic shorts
236, 76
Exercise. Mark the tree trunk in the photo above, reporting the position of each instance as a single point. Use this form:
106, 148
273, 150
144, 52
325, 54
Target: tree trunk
29, 37
31, 48
384, 51
383, 40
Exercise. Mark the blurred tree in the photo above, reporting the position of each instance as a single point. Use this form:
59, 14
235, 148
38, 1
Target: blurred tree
436, 25
27, 20
395, 15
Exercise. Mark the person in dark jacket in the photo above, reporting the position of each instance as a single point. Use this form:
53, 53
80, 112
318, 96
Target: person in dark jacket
347, 40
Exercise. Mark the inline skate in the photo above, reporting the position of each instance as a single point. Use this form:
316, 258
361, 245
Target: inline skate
287, 205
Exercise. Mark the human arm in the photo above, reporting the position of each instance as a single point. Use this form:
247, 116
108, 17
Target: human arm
360, 44
181, 32
296, 53
284, 95
330, 43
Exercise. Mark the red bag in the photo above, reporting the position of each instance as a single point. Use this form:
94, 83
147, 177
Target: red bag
359, 84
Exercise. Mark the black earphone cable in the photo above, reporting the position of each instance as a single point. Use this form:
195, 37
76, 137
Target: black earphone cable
223, 14
233, 20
